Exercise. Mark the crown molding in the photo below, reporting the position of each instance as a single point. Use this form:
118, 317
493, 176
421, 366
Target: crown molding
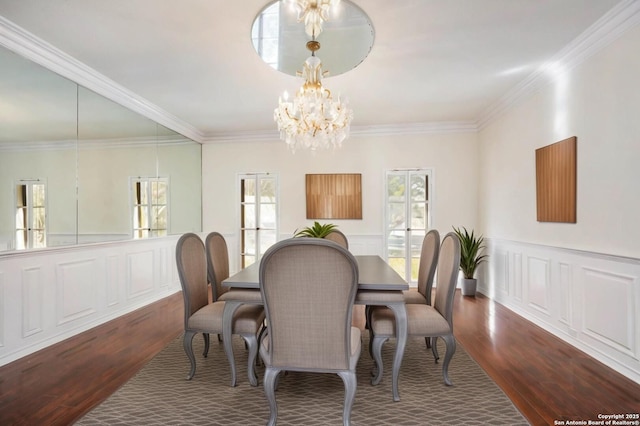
435, 127
624, 16
378, 130
39, 51
81, 144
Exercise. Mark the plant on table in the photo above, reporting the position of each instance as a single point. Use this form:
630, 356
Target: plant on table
316, 231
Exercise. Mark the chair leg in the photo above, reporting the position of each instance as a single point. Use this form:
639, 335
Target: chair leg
427, 341
206, 344
350, 387
450, 341
378, 341
434, 348
270, 375
187, 343
252, 343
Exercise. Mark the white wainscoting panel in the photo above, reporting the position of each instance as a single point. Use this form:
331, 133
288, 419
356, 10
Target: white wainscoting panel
76, 291
112, 282
564, 304
608, 310
32, 295
165, 259
140, 277
2, 322
502, 272
517, 276
538, 284
590, 300
50, 295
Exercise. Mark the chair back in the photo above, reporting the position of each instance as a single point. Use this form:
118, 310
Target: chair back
217, 263
448, 268
338, 237
428, 261
308, 286
192, 269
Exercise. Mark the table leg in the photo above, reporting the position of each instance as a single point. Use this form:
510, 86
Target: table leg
400, 312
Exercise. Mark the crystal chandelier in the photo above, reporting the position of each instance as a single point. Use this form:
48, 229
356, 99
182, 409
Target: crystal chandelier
313, 119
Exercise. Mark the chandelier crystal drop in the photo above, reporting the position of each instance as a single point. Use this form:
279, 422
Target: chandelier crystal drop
313, 119
314, 13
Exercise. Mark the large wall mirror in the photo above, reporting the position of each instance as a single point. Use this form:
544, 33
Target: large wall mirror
78, 168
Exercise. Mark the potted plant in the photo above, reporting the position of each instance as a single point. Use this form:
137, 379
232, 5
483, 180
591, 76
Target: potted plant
316, 231
470, 258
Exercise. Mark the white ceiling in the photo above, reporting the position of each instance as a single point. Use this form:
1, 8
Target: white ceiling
433, 61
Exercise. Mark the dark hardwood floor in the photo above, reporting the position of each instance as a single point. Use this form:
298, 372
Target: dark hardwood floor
545, 378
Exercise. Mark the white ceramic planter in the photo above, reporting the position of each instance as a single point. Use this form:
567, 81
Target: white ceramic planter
468, 286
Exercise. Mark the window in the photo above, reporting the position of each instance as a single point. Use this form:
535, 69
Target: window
31, 217
265, 34
150, 207
258, 216
407, 219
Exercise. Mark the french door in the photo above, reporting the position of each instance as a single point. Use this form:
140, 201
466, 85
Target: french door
30, 213
150, 207
258, 216
407, 219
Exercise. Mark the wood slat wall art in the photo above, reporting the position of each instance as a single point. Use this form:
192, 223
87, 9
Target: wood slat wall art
334, 196
556, 181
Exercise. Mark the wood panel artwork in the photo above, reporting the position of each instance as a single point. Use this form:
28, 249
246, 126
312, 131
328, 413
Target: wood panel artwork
334, 196
556, 181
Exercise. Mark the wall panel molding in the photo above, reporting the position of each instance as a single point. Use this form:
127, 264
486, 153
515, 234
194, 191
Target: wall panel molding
2, 303
140, 277
76, 293
112, 280
32, 295
517, 274
537, 289
47, 296
591, 300
608, 309
565, 307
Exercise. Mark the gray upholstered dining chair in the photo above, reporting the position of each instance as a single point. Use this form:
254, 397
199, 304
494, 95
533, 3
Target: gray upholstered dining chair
426, 271
217, 263
338, 237
425, 320
309, 286
202, 316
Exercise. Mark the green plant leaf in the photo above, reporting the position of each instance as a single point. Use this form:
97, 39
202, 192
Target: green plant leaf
316, 231
470, 249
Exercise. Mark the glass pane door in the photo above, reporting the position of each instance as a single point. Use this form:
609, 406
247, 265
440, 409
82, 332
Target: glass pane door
258, 216
30, 215
408, 218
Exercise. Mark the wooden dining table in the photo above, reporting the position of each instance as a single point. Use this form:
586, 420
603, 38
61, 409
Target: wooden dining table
378, 284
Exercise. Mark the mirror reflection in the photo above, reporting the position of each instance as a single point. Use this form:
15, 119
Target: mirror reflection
78, 168
280, 40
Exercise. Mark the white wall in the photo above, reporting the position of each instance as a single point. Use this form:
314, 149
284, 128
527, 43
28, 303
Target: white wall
452, 157
553, 273
598, 102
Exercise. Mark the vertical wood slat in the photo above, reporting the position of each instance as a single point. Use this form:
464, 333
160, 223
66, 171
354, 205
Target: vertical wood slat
334, 196
556, 181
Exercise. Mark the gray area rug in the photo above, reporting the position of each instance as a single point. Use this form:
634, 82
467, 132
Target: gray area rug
160, 395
